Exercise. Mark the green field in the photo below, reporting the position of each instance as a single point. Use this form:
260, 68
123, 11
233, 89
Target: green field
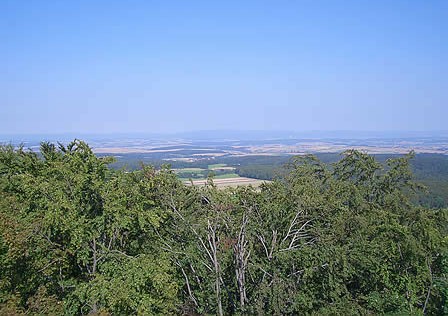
197, 173
226, 176
217, 165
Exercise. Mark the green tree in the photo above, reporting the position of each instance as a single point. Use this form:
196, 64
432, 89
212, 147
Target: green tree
85, 232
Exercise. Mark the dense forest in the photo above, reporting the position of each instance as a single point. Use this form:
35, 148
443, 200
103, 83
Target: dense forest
78, 237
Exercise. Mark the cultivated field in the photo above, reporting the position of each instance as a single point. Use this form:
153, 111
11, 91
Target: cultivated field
229, 182
196, 150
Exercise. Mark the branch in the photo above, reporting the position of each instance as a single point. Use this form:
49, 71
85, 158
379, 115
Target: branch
190, 293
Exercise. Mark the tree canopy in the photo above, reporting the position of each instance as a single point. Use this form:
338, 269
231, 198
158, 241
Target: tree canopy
78, 238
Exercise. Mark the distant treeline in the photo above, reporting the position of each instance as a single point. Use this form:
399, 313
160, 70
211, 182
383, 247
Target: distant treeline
80, 238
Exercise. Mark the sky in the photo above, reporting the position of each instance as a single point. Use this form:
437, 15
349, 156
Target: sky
174, 66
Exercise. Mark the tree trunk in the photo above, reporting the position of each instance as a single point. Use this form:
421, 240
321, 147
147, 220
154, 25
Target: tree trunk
214, 249
241, 258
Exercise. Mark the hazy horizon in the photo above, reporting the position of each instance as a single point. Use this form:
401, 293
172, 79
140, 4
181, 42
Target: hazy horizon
97, 67
225, 135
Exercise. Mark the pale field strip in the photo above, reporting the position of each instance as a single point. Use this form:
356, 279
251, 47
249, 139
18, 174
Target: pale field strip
209, 155
180, 159
229, 182
187, 169
127, 150
144, 150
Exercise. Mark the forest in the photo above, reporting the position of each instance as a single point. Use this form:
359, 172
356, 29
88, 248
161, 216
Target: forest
78, 237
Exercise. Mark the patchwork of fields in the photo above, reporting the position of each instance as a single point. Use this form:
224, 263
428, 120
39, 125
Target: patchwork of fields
223, 176
249, 159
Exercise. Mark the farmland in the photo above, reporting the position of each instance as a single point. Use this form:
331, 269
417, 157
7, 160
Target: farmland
260, 156
228, 182
216, 170
222, 174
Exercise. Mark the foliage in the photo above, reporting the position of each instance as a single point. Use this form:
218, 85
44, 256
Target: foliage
78, 237
71, 222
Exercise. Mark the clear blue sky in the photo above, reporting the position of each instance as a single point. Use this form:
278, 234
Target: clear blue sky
168, 66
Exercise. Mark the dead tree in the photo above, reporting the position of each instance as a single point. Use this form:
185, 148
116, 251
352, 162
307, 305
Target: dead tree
241, 255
